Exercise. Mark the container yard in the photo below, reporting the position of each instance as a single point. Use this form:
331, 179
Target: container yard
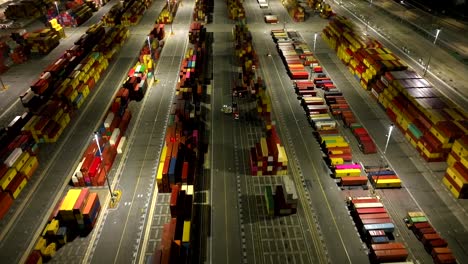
430, 122
189, 179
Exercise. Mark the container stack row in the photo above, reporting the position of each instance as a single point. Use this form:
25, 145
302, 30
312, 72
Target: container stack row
42, 41
268, 157
180, 158
51, 102
202, 10
96, 162
295, 10
321, 111
184, 132
18, 163
126, 14
433, 242
365, 57
292, 52
382, 177
236, 10
134, 12
456, 176
168, 12
339, 107
245, 83
283, 201
74, 215
75, 16
25, 9
376, 229
175, 241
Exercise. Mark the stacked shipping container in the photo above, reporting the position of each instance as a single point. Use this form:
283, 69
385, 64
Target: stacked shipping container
74, 215
175, 241
247, 61
376, 227
382, 177
292, 52
236, 10
456, 176
51, 102
168, 12
284, 200
202, 10
75, 16
296, 11
365, 57
433, 243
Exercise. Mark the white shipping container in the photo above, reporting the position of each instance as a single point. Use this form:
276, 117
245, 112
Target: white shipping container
14, 155
115, 136
109, 119
121, 145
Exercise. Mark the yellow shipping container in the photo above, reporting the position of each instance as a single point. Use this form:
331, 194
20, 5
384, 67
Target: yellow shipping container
460, 148
388, 183
52, 227
186, 232
19, 163
456, 176
452, 189
441, 137
7, 178
347, 173
20, 188
50, 250
411, 140
41, 245
451, 160
30, 166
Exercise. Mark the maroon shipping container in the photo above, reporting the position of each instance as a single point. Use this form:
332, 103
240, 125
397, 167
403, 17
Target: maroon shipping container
440, 250
420, 232
5, 203
371, 210
390, 255
366, 200
445, 259
374, 216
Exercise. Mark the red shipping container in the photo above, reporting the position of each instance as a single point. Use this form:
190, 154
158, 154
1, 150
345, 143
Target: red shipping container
15, 184
95, 166
353, 181
445, 259
5, 203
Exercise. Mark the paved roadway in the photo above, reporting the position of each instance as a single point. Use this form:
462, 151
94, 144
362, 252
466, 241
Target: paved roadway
225, 226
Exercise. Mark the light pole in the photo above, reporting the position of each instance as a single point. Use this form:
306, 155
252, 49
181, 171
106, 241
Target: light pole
430, 53
96, 137
149, 47
383, 155
315, 40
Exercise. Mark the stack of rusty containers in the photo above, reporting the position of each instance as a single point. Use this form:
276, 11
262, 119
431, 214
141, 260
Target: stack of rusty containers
180, 153
75, 16
236, 10
429, 121
134, 12
42, 41
168, 12
292, 52
247, 60
433, 242
365, 57
295, 10
25, 9
175, 241
74, 215
18, 161
202, 10
456, 176
376, 229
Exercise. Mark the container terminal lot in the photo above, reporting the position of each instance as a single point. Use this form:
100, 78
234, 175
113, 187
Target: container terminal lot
274, 74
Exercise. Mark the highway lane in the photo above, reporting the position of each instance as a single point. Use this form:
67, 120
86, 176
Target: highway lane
123, 229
